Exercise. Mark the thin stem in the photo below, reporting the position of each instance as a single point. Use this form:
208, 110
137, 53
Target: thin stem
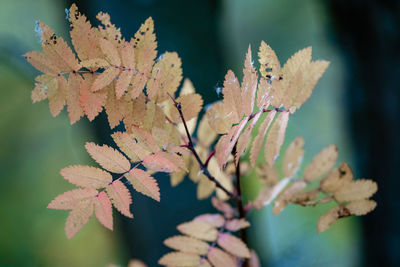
190, 146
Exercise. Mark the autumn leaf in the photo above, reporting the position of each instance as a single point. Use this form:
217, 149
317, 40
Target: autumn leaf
219, 258
275, 138
78, 217
86, 176
120, 197
144, 183
70, 199
103, 210
179, 259
233, 245
108, 158
321, 163
199, 230
293, 157
187, 244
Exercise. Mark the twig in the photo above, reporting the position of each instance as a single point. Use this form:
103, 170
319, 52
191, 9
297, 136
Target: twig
190, 146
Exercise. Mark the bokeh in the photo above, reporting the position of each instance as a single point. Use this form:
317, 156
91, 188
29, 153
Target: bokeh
355, 105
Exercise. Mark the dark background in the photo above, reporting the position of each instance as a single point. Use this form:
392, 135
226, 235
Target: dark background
355, 105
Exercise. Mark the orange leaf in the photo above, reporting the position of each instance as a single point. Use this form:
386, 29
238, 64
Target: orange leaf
160, 163
275, 138
91, 103
249, 85
70, 199
75, 111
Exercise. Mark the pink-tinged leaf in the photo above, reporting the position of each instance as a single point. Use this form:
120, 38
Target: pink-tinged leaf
249, 85
199, 230
108, 158
187, 244
103, 210
254, 260
41, 62
244, 139
144, 183
264, 94
226, 143
78, 217
86, 176
75, 111
145, 139
219, 258
70, 199
58, 97
158, 162
259, 140
275, 138
91, 103
105, 78
129, 146
232, 96
124, 79
110, 52
120, 197
236, 224
216, 220
233, 245
223, 207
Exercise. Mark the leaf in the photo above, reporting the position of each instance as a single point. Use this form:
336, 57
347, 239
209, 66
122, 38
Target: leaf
233, 245
331, 217
103, 210
95, 63
165, 76
205, 134
136, 263
205, 187
41, 62
293, 157
361, 207
179, 259
91, 103
236, 224
57, 96
321, 163
232, 97
249, 85
144, 183
275, 138
57, 50
70, 199
75, 111
337, 178
226, 143
254, 260
286, 196
244, 139
145, 139
145, 52
191, 106
78, 217
120, 197
83, 36
105, 78
110, 52
258, 141
108, 158
356, 190
267, 174
269, 63
223, 207
219, 258
216, 220
127, 144
218, 118
264, 94
160, 162
86, 176
177, 178
199, 230
187, 244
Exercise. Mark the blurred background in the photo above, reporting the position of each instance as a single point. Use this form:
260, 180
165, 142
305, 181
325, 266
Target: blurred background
355, 105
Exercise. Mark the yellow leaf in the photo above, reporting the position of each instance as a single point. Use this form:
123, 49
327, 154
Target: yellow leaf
179, 259
275, 138
337, 178
356, 190
249, 85
361, 207
232, 97
205, 133
321, 163
199, 230
191, 106
286, 196
269, 63
293, 157
331, 217
187, 244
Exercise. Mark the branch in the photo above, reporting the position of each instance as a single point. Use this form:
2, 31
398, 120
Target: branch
202, 165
